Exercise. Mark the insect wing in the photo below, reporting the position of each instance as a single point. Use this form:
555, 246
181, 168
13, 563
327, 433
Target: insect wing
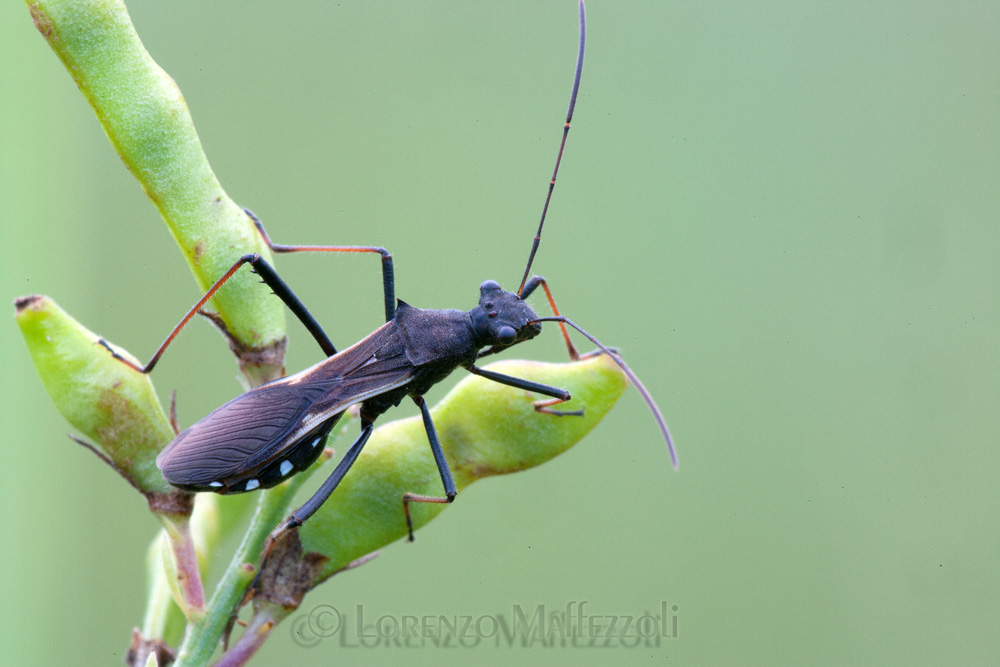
261, 437
233, 443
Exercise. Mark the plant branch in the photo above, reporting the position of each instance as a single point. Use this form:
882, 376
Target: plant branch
150, 127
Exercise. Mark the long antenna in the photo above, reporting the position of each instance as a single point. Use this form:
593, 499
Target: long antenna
562, 145
646, 396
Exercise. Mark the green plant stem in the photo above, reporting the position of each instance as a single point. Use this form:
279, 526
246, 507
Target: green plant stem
161, 611
203, 636
258, 629
150, 127
190, 593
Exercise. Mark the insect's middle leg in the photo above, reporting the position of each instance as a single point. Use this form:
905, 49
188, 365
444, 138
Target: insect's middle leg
442, 466
309, 507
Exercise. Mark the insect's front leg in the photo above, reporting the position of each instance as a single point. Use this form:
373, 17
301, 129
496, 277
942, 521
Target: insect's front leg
558, 395
442, 466
530, 286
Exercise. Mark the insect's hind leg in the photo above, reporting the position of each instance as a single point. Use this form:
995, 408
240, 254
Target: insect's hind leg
388, 276
271, 278
442, 466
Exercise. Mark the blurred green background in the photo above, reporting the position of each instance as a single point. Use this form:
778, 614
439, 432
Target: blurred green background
784, 214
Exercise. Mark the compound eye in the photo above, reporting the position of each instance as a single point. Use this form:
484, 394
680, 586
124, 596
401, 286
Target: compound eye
506, 335
489, 286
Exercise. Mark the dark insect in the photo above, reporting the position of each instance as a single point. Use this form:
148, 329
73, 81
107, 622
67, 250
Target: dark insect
259, 439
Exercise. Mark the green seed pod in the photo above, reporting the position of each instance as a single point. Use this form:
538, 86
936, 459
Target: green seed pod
148, 122
113, 406
117, 411
485, 429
